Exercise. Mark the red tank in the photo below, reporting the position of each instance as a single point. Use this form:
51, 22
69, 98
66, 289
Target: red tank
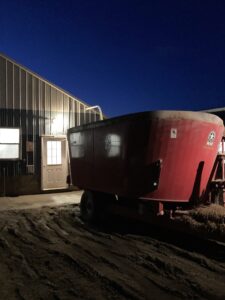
161, 155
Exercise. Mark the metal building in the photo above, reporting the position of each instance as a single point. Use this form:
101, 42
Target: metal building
34, 117
220, 112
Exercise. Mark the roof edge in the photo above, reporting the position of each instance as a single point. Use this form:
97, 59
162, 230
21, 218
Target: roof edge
214, 109
43, 79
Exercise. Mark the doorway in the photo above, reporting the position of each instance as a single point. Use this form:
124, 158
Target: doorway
54, 166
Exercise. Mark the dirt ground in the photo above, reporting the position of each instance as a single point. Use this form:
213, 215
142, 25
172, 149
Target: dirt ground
39, 200
49, 253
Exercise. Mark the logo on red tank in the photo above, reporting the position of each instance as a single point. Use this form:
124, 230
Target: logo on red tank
211, 138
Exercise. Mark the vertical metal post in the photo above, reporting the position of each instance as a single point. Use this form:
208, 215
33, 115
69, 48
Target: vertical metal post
3, 182
223, 170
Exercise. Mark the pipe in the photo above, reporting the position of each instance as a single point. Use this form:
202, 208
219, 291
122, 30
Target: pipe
99, 109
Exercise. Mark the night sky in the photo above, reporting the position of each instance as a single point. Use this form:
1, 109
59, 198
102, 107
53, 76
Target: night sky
126, 56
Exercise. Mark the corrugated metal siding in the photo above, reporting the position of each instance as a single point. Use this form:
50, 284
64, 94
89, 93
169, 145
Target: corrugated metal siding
38, 108
66, 110
2, 91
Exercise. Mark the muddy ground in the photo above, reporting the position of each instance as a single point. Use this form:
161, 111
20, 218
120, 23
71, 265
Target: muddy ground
49, 253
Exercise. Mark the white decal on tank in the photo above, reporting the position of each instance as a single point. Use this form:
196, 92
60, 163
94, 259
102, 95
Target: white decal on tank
211, 138
173, 133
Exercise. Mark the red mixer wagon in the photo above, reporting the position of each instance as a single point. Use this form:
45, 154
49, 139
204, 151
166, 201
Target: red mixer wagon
162, 158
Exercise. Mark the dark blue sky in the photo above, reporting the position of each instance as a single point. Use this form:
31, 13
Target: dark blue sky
124, 55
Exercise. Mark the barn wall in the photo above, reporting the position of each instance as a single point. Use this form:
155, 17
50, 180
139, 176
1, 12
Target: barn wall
38, 108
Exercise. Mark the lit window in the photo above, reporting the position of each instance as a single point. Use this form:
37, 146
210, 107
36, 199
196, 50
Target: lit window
9, 143
54, 155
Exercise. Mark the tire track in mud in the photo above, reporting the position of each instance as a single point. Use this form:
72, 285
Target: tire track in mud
88, 255
50, 253
170, 267
173, 272
87, 271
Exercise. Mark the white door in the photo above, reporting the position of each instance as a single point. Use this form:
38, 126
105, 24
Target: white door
54, 169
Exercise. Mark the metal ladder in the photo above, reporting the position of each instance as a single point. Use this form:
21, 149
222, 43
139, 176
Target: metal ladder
217, 183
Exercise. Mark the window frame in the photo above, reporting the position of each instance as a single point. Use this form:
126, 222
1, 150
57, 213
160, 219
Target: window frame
19, 145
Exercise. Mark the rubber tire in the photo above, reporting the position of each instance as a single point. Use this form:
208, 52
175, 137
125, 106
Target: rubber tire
93, 205
89, 207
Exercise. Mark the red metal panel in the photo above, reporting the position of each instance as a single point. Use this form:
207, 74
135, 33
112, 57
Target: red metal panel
187, 158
